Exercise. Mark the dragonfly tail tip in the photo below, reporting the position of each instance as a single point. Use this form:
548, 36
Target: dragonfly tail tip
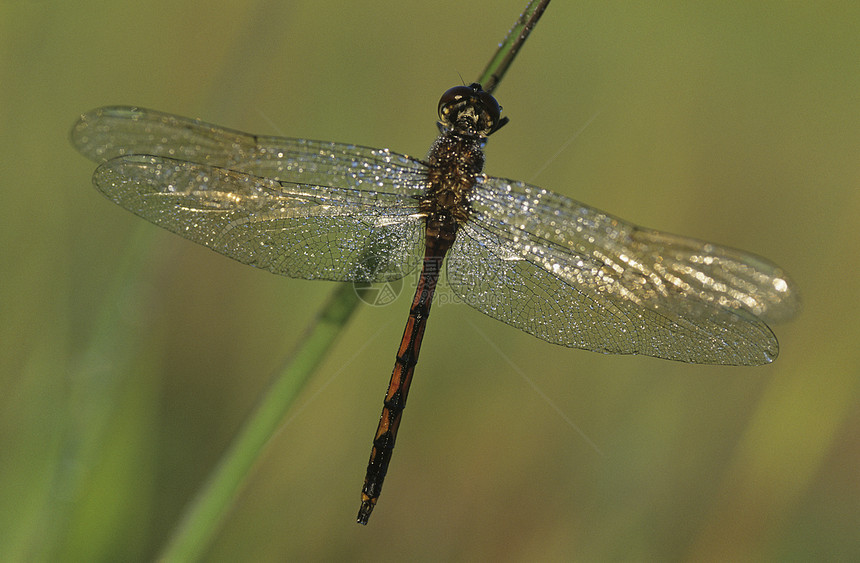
364, 511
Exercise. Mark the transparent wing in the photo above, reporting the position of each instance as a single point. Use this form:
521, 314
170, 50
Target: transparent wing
311, 232
110, 132
575, 276
300, 208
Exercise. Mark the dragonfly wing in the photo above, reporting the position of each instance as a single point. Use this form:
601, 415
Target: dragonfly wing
292, 229
110, 132
575, 276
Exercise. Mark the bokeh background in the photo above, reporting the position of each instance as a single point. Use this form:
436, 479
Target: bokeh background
130, 357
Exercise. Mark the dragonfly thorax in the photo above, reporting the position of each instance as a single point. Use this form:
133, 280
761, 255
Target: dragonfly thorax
454, 161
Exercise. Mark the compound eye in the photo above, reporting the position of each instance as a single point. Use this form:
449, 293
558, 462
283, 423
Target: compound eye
453, 97
491, 107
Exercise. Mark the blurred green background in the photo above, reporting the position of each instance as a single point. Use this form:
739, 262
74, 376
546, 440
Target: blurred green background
129, 357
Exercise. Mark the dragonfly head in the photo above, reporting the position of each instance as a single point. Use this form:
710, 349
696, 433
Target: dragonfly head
470, 110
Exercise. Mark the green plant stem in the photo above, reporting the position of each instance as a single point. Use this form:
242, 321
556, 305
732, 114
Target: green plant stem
204, 515
508, 49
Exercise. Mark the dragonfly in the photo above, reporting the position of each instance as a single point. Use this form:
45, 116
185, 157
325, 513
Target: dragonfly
536, 260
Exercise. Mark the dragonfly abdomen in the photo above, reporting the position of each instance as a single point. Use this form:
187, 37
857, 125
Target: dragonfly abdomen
401, 379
